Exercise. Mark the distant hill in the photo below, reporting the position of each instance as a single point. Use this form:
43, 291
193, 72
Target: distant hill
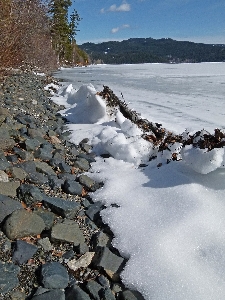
149, 50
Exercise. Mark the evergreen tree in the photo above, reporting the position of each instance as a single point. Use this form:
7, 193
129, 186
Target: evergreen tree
63, 31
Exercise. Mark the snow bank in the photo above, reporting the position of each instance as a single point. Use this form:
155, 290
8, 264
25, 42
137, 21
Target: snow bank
170, 221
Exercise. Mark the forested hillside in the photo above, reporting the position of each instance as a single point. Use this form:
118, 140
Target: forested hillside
38, 34
149, 50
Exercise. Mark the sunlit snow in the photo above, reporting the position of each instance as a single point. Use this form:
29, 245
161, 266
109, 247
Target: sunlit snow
170, 222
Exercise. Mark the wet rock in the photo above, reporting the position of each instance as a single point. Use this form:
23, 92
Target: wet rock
72, 187
23, 252
9, 188
8, 277
110, 262
22, 223
7, 206
54, 276
64, 208
75, 292
68, 231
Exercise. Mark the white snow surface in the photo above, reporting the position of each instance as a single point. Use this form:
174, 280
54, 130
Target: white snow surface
170, 222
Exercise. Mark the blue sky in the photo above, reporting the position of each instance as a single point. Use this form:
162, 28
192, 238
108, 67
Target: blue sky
114, 20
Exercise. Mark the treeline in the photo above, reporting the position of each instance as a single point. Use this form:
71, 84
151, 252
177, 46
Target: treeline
149, 50
38, 34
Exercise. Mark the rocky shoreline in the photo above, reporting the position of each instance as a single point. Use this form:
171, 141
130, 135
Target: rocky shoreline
53, 243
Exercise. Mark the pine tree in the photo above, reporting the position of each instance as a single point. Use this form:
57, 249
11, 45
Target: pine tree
63, 31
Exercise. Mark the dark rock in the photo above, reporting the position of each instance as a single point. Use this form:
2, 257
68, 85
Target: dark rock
7, 206
8, 277
37, 178
17, 173
54, 181
45, 294
68, 254
68, 231
110, 262
23, 252
60, 165
32, 144
85, 147
75, 292
93, 289
82, 164
106, 294
4, 164
44, 168
45, 244
66, 209
54, 276
17, 295
7, 143
30, 194
89, 183
100, 239
47, 216
73, 151
33, 133
93, 211
82, 248
104, 281
12, 158
22, 223
72, 187
28, 166
9, 188
66, 176
90, 224
42, 154
130, 295
89, 157
24, 155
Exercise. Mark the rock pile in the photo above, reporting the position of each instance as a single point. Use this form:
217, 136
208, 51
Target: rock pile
53, 244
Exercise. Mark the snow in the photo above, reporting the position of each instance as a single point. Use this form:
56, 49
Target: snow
170, 221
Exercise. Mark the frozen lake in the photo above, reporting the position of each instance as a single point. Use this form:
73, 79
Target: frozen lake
169, 215
179, 96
